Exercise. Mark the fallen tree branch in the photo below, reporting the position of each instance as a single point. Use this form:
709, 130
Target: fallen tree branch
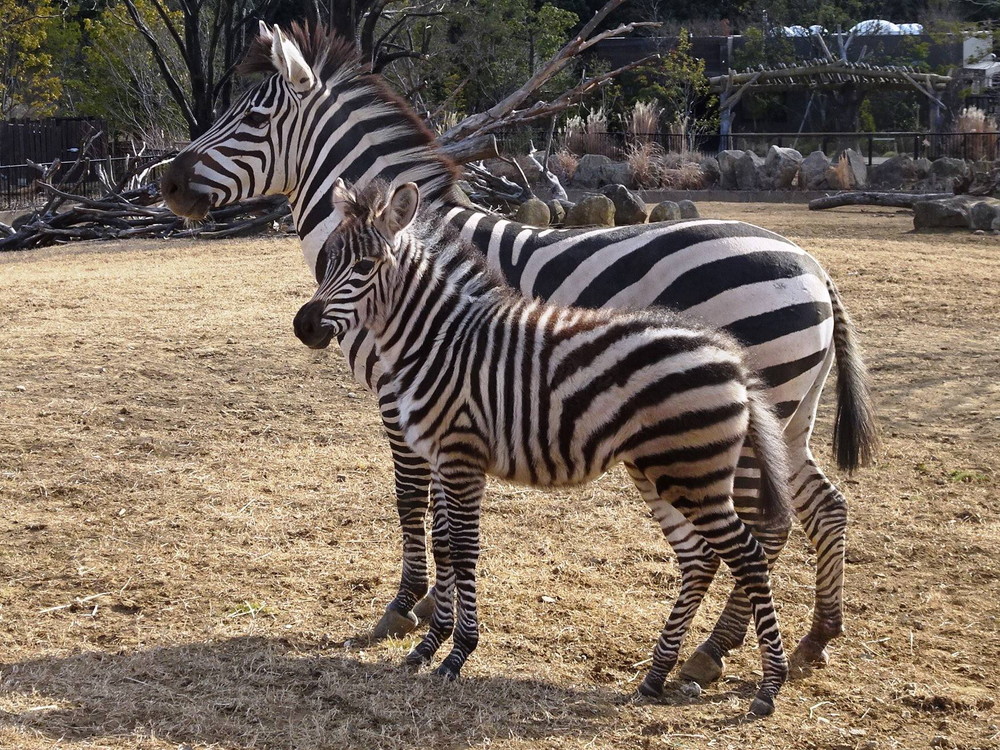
866, 198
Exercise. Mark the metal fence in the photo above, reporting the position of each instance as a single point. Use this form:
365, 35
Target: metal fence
874, 147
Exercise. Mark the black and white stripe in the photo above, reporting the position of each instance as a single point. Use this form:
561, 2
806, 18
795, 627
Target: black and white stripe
325, 119
489, 382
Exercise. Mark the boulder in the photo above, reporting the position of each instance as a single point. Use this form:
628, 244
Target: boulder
982, 214
855, 167
710, 168
780, 167
812, 171
922, 167
748, 171
533, 212
688, 209
629, 207
618, 173
943, 212
592, 210
591, 171
727, 168
947, 174
894, 173
665, 211
557, 211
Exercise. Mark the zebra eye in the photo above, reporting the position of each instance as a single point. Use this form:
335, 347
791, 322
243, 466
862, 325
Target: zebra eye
364, 266
256, 119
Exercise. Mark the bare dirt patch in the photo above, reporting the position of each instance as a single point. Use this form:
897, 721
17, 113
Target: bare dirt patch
197, 514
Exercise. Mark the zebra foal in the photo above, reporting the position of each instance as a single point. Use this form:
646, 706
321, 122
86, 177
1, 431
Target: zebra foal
489, 382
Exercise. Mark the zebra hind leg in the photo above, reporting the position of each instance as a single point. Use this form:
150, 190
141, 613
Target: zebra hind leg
442, 620
725, 533
698, 566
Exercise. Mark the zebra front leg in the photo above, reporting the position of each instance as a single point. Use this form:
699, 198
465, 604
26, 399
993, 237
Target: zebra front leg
442, 620
413, 476
462, 486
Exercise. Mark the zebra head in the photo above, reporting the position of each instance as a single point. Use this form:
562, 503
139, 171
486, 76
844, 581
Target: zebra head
247, 151
355, 267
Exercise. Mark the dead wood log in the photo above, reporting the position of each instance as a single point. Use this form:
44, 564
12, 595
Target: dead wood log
866, 198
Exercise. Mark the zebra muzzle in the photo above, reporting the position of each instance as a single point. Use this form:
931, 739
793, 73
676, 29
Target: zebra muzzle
309, 326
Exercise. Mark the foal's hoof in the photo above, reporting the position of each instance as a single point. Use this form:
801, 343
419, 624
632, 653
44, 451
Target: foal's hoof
808, 655
702, 668
394, 625
450, 674
691, 689
650, 688
414, 662
761, 707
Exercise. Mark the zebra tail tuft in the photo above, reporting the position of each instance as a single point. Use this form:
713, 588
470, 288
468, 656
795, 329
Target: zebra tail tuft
769, 446
855, 436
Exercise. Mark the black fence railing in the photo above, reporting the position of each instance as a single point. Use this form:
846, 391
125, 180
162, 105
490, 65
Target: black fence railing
874, 147
20, 184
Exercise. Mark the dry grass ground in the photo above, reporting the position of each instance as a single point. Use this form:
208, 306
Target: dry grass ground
196, 515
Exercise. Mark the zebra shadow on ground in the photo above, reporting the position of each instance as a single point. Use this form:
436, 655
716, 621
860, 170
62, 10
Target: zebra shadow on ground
256, 692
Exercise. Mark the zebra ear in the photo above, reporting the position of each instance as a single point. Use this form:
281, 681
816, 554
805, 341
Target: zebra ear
340, 194
403, 204
289, 62
264, 32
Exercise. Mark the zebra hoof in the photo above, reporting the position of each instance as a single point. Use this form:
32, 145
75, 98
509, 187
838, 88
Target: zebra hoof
448, 673
414, 662
650, 688
691, 689
423, 610
761, 707
808, 655
394, 624
702, 668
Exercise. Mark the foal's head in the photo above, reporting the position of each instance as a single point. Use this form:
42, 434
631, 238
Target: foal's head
356, 259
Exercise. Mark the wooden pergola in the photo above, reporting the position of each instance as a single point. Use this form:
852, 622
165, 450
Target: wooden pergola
824, 73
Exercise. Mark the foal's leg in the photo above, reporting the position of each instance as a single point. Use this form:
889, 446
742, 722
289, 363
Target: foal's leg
442, 621
698, 565
707, 663
413, 478
714, 517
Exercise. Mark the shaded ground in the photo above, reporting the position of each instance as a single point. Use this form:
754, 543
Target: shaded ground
196, 513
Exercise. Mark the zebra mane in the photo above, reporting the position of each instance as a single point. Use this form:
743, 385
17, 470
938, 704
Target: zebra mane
336, 60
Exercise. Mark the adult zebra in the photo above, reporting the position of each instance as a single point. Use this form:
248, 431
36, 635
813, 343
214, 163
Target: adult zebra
318, 116
492, 383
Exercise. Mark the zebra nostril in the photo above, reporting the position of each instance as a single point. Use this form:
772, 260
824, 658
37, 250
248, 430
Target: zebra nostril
307, 323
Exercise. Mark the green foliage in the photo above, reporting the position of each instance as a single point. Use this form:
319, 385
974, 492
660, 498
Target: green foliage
29, 84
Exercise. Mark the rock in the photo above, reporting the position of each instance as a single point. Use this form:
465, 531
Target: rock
591, 170
982, 214
748, 171
727, 168
619, 173
854, 173
812, 171
665, 211
533, 212
944, 212
893, 174
592, 210
688, 209
710, 168
922, 167
629, 207
947, 174
557, 211
780, 167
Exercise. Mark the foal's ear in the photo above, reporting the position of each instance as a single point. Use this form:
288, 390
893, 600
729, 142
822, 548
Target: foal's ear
340, 195
403, 204
289, 62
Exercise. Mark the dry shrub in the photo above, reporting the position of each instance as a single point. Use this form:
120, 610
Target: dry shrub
590, 135
983, 143
643, 122
563, 164
644, 161
688, 176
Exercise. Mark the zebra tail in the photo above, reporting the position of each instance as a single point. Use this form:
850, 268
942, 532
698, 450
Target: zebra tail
855, 437
768, 442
